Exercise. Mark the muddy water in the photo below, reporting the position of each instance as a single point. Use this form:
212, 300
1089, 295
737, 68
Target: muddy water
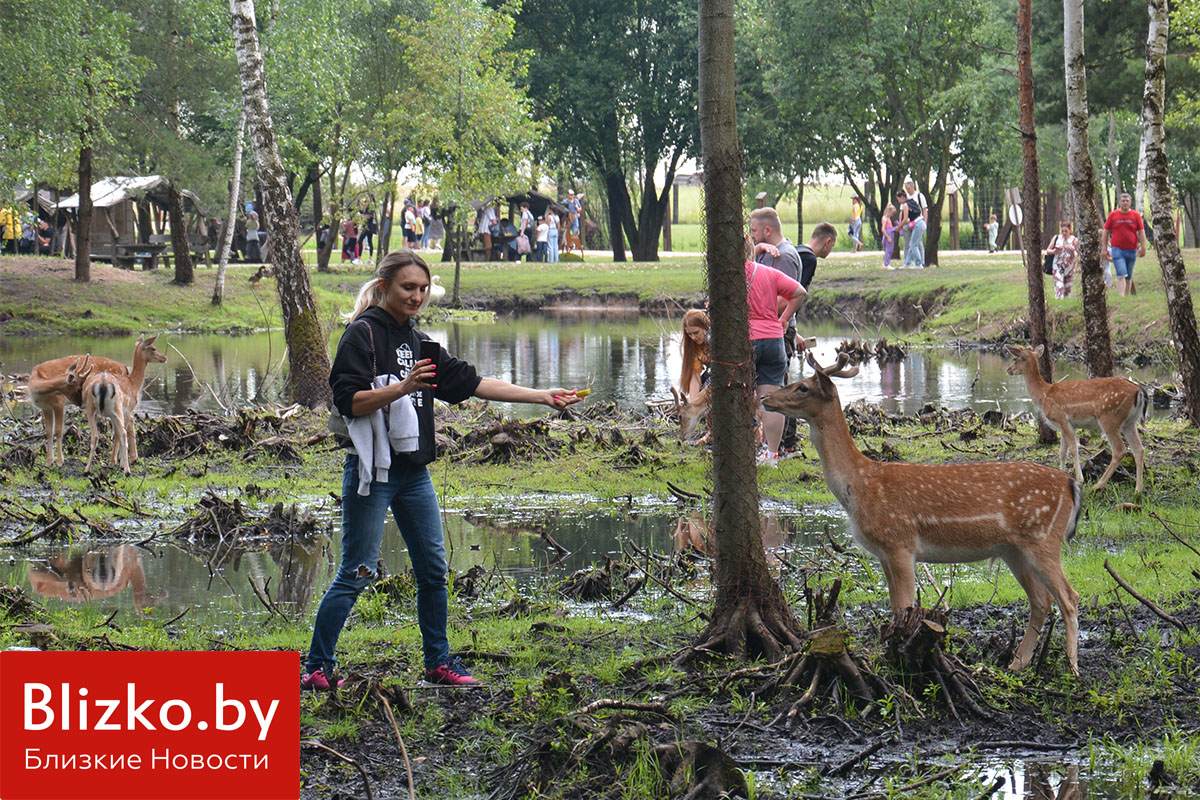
624, 358
169, 579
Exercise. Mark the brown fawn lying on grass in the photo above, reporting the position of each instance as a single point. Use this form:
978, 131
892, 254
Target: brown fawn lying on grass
951, 513
1114, 405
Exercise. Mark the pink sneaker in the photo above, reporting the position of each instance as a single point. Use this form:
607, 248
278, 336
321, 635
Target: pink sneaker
452, 673
316, 681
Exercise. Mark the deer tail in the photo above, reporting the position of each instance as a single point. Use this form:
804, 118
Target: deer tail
1077, 493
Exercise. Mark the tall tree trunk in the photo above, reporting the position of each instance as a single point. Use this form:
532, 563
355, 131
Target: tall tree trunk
1139, 186
184, 272
618, 198
1162, 205
800, 213
83, 218
230, 212
308, 355
1031, 190
1088, 222
750, 615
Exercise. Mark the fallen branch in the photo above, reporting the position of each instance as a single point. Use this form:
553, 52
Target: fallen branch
347, 759
625, 705
1144, 600
387, 707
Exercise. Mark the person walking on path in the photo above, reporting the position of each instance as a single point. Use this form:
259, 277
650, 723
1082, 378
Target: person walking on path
1063, 247
889, 234
993, 230
384, 392
918, 218
903, 229
1126, 232
553, 227
253, 254
855, 229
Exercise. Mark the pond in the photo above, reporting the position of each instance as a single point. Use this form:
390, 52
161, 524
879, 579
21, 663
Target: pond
213, 582
625, 358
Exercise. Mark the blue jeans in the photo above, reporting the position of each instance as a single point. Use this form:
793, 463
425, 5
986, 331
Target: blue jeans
409, 493
1123, 261
916, 245
552, 246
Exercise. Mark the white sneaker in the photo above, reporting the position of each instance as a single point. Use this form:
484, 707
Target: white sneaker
767, 459
356, 261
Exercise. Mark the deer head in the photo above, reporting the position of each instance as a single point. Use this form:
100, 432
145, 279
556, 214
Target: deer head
78, 372
805, 399
1022, 356
147, 350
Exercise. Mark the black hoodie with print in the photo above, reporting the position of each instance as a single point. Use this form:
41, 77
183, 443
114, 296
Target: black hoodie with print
397, 347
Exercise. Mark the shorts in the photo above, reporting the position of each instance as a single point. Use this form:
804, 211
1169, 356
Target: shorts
1123, 261
770, 362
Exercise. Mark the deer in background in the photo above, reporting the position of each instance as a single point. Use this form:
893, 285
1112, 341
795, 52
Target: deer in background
50, 388
951, 513
1114, 405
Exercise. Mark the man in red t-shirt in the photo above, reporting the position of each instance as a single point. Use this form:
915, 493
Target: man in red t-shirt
1126, 232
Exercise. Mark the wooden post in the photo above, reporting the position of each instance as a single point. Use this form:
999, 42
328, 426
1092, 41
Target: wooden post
760, 199
675, 204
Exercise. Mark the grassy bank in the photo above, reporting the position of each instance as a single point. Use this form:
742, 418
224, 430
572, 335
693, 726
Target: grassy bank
971, 298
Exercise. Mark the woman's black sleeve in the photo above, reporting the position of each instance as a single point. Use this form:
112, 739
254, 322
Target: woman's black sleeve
353, 370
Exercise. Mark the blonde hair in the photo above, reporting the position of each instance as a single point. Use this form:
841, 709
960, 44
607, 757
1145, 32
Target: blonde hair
889, 210
691, 350
371, 293
767, 215
748, 247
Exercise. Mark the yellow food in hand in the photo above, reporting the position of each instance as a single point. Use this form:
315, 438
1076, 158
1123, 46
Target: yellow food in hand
583, 392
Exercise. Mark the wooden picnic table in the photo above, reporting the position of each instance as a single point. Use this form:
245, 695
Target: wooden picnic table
126, 254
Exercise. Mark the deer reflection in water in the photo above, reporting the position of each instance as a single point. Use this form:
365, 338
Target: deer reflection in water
93, 575
692, 531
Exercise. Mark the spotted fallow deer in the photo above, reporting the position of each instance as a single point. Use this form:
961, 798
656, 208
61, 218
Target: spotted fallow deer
107, 395
1114, 405
952, 513
49, 390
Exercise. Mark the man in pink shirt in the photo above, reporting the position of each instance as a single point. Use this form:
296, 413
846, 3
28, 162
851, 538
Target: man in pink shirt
765, 286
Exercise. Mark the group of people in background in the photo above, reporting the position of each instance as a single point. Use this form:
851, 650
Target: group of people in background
1122, 242
24, 233
906, 221
778, 276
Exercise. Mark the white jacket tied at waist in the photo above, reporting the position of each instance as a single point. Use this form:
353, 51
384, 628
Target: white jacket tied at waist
374, 441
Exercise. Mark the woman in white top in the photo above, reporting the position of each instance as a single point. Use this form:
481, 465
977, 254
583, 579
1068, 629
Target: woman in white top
1063, 247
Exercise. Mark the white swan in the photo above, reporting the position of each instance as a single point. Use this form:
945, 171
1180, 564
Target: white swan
436, 290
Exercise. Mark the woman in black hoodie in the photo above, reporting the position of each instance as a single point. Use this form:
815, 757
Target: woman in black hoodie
380, 341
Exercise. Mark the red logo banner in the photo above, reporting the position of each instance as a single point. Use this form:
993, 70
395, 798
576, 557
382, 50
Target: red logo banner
142, 725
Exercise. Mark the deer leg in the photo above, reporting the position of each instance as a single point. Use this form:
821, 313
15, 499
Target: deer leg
131, 434
900, 573
1072, 441
120, 441
93, 424
1040, 601
48, 424
1117, 445
1068, 603
1135, 444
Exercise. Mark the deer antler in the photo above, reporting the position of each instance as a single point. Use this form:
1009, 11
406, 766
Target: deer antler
838, 370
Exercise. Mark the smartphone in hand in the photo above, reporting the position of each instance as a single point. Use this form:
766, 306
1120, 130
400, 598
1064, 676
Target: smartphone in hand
430, 350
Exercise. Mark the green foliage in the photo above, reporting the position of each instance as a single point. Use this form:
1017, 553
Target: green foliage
64, 67
472, 120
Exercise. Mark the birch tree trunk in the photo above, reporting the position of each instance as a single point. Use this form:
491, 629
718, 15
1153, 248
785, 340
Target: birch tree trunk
750, 615
308, 356
1031, 190
1088, 222
230, 212
1162, 204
